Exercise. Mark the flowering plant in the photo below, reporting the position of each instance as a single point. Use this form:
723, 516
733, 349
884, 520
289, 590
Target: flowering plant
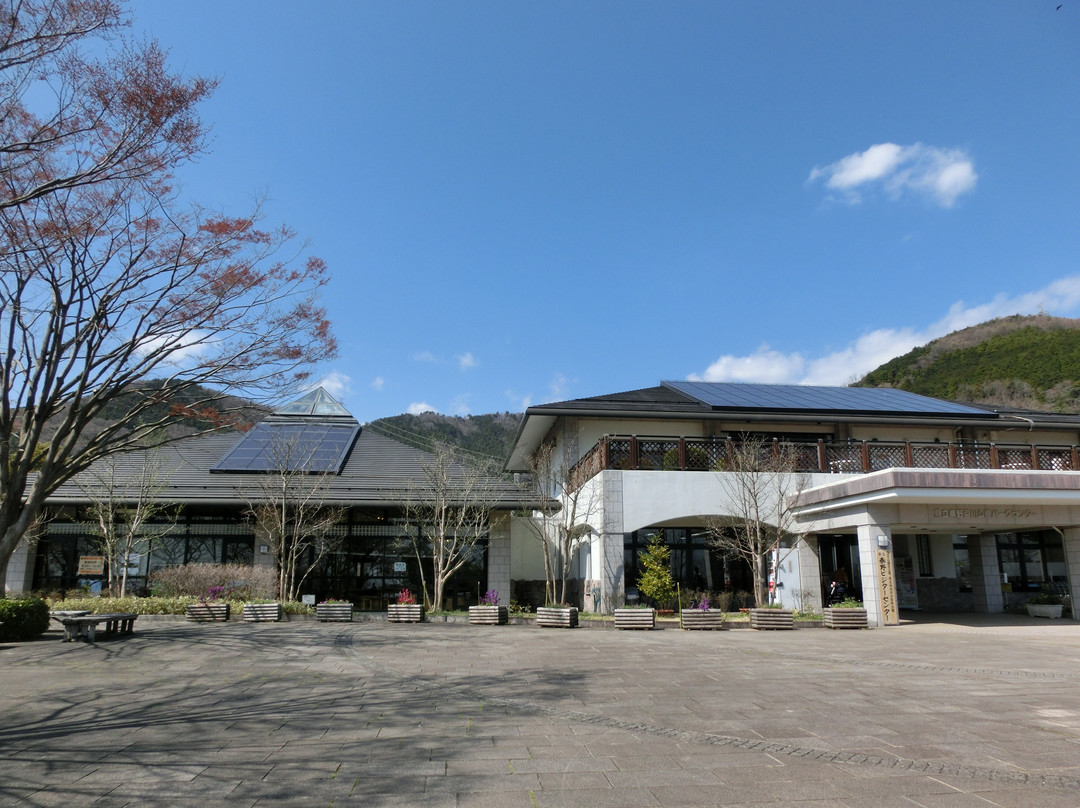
331, 601
704, 605
406, 598
216, 593
491, 598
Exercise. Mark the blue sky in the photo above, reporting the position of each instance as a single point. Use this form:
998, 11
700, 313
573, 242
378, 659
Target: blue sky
525, 202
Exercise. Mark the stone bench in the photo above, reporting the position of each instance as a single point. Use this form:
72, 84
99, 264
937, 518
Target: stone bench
84, 627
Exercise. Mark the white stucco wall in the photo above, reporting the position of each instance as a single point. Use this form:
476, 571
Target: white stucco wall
526, 553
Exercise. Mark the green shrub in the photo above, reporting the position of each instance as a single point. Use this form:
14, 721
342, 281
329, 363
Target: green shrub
176, 604
23, 619
169, 605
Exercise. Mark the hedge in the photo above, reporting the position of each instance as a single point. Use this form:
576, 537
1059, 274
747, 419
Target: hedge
23, 619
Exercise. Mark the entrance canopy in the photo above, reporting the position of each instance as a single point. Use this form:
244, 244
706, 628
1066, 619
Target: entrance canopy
943, 500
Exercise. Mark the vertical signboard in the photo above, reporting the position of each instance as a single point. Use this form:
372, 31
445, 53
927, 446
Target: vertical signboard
890, 615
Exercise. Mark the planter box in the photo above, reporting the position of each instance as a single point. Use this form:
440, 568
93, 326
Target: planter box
635, 618
698, 620
837, 617
487, 615
262, 612
334, 612
772, 619
208, 612
557, 617
405, 613
846, 617
1050, 610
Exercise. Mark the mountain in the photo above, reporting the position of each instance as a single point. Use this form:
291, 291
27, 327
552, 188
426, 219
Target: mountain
489, 435
1023, 361
187, 412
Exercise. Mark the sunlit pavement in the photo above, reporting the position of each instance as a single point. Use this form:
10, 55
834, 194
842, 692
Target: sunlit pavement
968, 711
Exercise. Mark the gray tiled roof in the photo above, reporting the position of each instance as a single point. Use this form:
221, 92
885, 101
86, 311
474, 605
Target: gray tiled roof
378, 472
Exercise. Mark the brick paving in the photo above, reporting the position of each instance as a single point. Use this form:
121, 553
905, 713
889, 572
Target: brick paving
975, 711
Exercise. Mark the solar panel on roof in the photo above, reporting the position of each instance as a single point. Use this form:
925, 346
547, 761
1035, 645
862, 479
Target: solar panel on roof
741, 396
275, 446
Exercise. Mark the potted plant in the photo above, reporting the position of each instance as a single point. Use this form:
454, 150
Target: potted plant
630, 617
334, 611
772, 617
488, 612
406, 610
262, 612
210, 608
1044, 604
701, 618
848, 613
560, 615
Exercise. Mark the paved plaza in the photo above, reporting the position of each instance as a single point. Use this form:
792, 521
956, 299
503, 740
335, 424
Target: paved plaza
972, 712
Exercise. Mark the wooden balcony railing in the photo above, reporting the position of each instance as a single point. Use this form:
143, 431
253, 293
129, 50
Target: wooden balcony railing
825, 457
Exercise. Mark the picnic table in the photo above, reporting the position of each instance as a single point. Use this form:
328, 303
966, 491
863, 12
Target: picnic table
82, 625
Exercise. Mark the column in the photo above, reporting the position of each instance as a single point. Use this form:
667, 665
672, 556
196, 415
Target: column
1070, 536
810, 573
985, 574
610, 558
877, 576
498, 577
20, 571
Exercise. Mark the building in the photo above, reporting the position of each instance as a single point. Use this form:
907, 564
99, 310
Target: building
918, 502
216, 482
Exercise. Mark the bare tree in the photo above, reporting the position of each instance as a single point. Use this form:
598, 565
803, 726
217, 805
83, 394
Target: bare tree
448, 514
106, 278
126, 505
291, 515
561, 522
759, 479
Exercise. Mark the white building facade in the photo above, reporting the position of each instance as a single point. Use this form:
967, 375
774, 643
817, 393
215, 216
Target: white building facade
914, 502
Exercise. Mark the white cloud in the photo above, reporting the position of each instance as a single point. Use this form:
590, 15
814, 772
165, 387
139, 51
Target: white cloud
424, 356
184, 349
466, 361
419, 407
521, 403
335, 383
460, 405
378, 383
558, 387
940, 174
765, 365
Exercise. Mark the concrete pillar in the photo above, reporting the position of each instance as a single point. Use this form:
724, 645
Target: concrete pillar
810, 573
20, 571
499, 558
875, 589
612, 572
985, 574
610, 558
1070, 536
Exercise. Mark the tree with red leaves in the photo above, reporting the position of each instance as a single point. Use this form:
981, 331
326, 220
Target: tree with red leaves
107, 279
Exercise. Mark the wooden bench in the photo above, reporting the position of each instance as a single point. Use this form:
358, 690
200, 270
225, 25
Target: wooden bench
84, 627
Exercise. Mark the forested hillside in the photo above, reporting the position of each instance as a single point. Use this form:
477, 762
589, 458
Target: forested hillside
490, 435
1020, 361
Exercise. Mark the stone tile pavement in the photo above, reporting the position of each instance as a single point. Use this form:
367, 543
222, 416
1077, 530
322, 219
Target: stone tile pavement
971, 712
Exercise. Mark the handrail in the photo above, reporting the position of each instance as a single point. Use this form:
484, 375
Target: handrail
652, 453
